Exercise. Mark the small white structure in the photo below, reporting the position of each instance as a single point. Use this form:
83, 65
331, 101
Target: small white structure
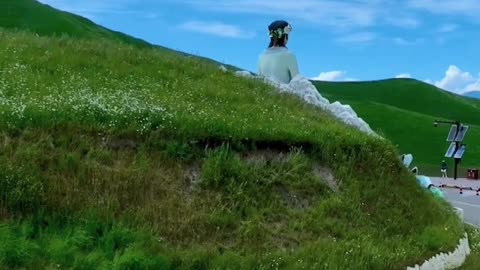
445, 261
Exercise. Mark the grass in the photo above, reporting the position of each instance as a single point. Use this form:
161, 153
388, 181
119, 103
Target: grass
397, 108
120, 156
225, 171
473, 259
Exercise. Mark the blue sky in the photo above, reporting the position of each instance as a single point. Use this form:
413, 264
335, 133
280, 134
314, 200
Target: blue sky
436, 41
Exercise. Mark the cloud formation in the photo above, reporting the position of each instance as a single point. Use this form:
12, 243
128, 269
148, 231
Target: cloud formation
331, 13
335, 75
336, 14
469, 8
446, 28
361, 37
217, 29
404, 42
458, 81
404, 76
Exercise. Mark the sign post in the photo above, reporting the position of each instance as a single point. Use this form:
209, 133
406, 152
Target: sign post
455, 137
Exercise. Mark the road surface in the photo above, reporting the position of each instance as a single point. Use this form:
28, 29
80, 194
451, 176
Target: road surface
468, 200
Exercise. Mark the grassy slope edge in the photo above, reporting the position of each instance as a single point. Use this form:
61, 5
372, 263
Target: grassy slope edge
473, 260
398, 107
218, 171
44, 20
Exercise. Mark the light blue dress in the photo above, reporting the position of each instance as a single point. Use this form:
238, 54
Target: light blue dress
279, 64
425, 182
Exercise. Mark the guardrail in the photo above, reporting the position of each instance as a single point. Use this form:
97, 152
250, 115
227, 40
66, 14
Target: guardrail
461, 188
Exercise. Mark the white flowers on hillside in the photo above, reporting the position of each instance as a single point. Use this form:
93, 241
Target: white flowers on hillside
110, 103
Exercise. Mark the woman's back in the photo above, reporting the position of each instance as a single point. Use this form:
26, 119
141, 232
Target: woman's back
279, 64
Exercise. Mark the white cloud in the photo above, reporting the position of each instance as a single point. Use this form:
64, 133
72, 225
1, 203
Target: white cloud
405, 42
458, 81
448, 28
472, 87
337, 14
217, 29
335, 75
361, 37
451, 7
405, 22
403, 75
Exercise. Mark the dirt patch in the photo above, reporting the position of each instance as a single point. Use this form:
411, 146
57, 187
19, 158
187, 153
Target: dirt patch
263, 157
192, 176
293, 199
120, 144
326, 175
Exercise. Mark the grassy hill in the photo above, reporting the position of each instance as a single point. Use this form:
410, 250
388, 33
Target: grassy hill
44, 20
117, 156
404, 111
212, 169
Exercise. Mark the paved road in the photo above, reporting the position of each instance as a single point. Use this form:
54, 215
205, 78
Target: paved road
468, 201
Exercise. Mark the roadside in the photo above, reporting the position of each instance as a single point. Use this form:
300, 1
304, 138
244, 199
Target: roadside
462, 193
469, 201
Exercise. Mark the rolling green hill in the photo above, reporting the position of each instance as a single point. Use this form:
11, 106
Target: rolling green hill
404, 111
105, 154
118, 156
44, 20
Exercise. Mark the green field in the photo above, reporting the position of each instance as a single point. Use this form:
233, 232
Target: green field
119, 156
403, 110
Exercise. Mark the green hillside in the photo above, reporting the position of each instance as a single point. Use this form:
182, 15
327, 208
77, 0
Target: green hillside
118, 156
44, 20
404, 111
225, 171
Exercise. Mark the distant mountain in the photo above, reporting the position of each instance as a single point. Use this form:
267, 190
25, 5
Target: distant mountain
472, 94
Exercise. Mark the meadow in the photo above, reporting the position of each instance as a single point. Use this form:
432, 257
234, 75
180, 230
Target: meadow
119, 155
224, 171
